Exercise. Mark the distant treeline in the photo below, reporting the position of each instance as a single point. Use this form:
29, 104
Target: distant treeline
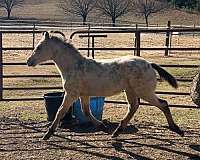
188, 4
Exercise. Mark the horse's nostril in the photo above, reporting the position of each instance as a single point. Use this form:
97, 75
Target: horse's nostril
29, 62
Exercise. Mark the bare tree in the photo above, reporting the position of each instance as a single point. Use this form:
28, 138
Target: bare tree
9, 4
113, 8
148, 7
80, 8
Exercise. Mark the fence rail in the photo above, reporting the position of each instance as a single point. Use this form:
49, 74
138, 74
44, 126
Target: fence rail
137, 48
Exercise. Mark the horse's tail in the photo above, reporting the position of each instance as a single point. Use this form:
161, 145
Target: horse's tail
165, 75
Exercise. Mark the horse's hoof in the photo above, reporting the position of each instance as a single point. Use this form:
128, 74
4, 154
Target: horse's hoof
115, 134
117, 131
177, 130
47, 135
103, 127
180, 132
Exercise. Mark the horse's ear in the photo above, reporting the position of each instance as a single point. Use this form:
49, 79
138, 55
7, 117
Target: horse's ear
46, 35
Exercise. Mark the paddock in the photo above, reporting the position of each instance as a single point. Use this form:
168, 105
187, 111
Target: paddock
23, 118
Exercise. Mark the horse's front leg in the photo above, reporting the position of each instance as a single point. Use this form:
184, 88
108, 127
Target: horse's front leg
67, 102
85, 104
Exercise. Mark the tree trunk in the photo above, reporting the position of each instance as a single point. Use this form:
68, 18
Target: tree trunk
84, 20
113, 21
146, 20
8, 14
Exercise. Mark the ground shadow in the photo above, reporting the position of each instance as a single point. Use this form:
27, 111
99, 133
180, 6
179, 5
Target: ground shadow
119, 147
128, 145
90, 128
195, 147
83, 146
156, 146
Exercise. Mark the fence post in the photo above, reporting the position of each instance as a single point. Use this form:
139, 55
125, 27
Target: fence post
167, 38
1, 68
33, 35
194, 32
93, 47
88, 40
137, 36
135, 41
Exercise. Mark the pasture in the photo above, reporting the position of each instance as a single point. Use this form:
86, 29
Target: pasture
48, 10
22, 124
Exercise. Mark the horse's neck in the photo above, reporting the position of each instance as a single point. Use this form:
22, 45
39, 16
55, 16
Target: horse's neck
67, 60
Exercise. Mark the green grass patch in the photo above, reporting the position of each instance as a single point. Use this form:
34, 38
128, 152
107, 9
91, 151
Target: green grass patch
181, 116
31, 115
5, 107
183, 72
24, 110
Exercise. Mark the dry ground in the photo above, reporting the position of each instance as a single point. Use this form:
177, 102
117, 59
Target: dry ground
22, 124
147, 139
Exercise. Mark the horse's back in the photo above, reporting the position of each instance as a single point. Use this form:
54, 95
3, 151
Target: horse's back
133, 64
111, 77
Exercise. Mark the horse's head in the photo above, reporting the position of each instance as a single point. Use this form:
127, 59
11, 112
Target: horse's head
42, 52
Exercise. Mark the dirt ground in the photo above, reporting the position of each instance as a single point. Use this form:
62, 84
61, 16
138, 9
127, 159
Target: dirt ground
22, 139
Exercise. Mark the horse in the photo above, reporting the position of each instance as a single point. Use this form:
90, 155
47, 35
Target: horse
83, 77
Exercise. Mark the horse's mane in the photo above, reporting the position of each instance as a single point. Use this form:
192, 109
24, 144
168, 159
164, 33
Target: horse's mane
67, 44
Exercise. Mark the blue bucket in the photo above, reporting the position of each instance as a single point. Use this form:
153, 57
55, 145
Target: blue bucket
96, 107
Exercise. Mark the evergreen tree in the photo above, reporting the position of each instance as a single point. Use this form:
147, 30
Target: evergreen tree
189, 4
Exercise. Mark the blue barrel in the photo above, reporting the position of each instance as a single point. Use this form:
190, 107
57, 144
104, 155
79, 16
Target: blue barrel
96, 107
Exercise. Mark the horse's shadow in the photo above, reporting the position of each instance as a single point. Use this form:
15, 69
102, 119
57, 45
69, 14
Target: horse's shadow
90, 128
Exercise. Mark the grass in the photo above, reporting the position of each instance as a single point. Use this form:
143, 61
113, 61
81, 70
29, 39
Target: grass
44, 81
186, 73
32, 115
24, 110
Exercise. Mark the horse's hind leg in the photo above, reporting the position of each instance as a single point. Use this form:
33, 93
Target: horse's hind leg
163, 106
132, 108
86, 110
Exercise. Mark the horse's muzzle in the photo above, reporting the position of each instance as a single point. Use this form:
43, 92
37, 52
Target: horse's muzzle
30, 63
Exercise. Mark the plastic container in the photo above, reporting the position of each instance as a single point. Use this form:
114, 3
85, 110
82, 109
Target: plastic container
52, 103
54, 100
96, 106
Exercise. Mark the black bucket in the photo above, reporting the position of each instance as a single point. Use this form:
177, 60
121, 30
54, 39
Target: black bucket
52, 103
